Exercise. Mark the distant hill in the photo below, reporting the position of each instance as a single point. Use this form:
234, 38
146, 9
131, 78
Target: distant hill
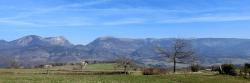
34, 50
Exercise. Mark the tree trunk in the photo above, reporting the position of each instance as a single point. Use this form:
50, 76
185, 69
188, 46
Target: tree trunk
125, 70
174, 64
47, 71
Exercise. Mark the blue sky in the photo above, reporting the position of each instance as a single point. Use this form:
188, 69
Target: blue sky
81, 21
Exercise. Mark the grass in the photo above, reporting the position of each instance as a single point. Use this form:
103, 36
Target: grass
70, 76
26, 78
104, 66
80, 79
90, 67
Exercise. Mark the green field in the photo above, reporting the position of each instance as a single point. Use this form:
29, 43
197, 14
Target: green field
90, 67
67, 76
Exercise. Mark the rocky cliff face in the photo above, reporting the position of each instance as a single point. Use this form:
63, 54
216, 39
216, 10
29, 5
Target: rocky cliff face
33, 40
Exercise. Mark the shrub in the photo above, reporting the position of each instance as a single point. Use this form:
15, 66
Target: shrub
247, 65
195, 68
217, 68
154, 71
228, 69
245, 70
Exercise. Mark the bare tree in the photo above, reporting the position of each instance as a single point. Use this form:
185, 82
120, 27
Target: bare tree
179, 51
83, 64
14, 63
125, 63
194, 64
47, 67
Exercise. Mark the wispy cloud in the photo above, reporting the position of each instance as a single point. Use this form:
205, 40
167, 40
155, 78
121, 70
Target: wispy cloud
125, 21
20, 18
64, 15
206, 19
54, 9
15, 22
44, 23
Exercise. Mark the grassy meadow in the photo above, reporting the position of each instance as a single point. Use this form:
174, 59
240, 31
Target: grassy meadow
59, 75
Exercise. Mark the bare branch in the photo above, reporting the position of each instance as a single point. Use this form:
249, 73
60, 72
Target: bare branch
181, 49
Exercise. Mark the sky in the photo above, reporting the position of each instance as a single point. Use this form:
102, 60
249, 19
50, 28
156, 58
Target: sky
82, 21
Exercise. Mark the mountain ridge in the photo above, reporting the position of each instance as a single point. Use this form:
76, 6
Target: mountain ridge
34, 50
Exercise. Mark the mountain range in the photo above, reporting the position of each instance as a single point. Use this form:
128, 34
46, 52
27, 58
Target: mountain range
34, 50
